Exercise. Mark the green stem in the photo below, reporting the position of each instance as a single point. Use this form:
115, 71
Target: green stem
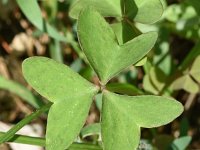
55, 51
11, 133
38, 141
25, 139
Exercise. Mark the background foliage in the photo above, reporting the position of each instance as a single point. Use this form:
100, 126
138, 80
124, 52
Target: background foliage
171, 69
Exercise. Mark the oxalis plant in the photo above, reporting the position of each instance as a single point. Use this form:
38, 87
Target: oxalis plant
122, 116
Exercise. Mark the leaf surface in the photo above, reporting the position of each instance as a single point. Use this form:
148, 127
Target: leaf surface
105, 55
143, 11
148, 11
122, 116
119, 131
71, 96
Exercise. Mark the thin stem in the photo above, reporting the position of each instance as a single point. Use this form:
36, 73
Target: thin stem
25, 139
55, 51
11, 133
38, 141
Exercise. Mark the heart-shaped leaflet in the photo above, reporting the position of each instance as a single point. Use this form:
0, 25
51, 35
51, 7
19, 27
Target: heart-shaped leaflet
71, 96
122, 117
102, 49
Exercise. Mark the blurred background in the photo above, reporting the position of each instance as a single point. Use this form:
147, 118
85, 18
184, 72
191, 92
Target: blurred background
171, 69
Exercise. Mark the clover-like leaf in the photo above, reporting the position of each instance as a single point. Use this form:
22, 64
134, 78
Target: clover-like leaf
122, 117
105, 55
186, 83
71, 96
126, 32
143, 11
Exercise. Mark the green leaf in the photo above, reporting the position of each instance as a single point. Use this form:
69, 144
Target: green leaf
119, 131
195, 71
124, 32
34, 15
65, 120
148, 85
144, 11
21, 91
141, 62
71, 96
92, 129
124, 88
158, 78
181, 143
185, 82
123, 116
108, 8
103, 52
148, 11
195, 4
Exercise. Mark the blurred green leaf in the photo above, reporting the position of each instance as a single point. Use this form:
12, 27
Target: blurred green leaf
155, 80
76, 65
51, 7
33, 13
136, 10
195, 4
148, 85
158, 78
122, 117
68, 112
184, 20
21, 91
141, 62
105, 7
146, 11
173, 12
181, 143
103, 52
185, 82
